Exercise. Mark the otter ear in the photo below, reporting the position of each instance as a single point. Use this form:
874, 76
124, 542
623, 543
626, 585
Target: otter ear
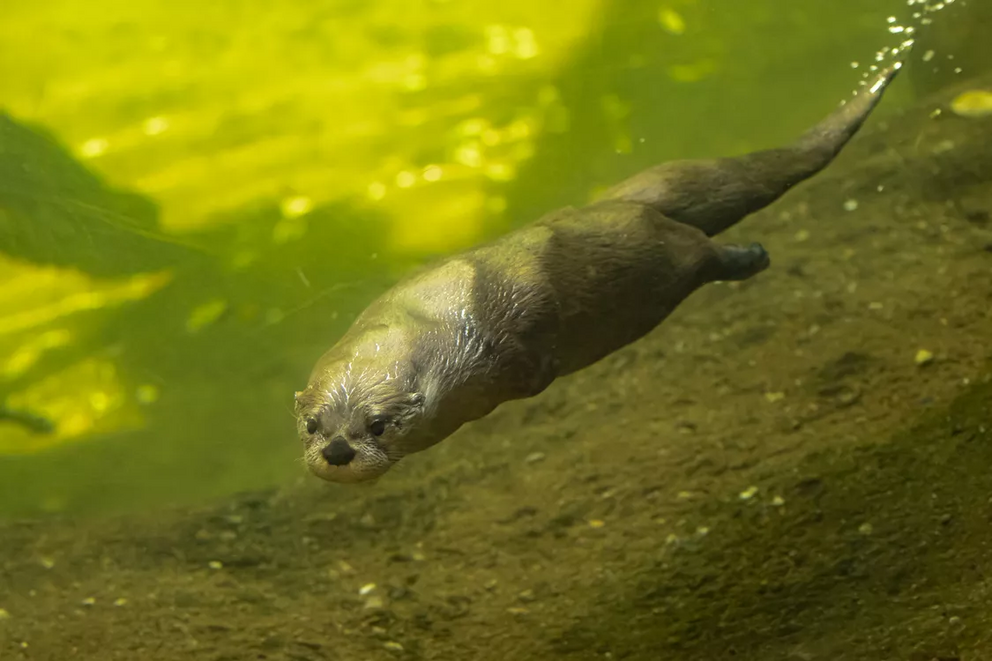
417, 398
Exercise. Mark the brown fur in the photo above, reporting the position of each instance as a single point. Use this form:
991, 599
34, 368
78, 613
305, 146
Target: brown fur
504, 320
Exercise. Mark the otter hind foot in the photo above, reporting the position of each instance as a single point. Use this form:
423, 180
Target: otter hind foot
742, 262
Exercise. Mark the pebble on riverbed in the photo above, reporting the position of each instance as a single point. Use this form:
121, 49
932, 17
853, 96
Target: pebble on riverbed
748, 493
973, 104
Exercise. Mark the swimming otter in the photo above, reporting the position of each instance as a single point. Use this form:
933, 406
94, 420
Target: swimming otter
501, 322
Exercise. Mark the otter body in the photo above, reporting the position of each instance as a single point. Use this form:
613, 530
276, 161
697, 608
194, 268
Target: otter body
501, 322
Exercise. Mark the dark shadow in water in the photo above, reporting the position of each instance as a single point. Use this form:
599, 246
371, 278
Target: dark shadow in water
54, 211
227, 388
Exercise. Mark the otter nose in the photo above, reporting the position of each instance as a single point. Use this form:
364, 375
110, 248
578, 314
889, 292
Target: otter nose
338, 452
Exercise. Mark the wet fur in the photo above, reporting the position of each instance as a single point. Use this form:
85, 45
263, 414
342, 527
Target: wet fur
504, 320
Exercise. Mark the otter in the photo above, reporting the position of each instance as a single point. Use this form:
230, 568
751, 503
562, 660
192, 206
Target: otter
500, 322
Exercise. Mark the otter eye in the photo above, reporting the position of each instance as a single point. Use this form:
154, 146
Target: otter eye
377, 427
312, 426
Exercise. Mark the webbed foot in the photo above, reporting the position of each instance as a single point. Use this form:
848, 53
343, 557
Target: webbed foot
742, 262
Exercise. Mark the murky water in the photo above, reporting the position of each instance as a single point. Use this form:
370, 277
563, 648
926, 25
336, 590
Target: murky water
196, 201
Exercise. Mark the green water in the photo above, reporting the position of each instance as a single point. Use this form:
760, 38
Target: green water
196, 200
168, 139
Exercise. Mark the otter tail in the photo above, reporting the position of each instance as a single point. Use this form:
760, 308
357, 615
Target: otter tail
715, 194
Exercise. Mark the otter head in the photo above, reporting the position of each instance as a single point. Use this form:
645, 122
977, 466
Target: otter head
361, 412
357, 433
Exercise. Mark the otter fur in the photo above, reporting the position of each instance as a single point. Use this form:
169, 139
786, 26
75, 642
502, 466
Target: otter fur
500, 322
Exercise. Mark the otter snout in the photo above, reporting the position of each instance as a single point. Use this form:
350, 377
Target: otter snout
338, 452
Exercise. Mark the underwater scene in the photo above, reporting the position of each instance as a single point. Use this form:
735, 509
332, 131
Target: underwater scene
357, 330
